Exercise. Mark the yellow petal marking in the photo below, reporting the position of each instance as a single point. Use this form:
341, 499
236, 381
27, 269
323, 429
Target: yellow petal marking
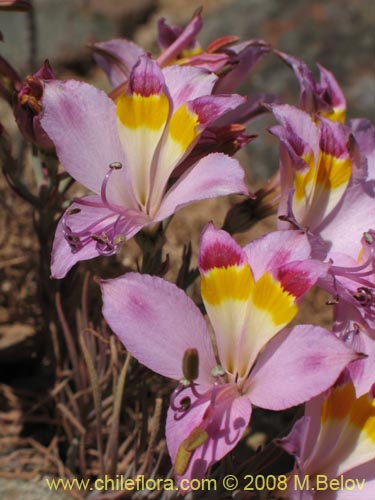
232, 282
333, 172
364, 416
136, 110
342, 403
303, 182
338, 404
183, 127
335, 115
268, 295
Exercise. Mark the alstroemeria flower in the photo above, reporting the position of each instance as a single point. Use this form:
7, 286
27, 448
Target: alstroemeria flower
315, 166
125, 152
230, 61
250, 295
324, 98
336, 440
349, 234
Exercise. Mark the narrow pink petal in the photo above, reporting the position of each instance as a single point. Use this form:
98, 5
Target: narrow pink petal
146, 78
299, 126
186, 83
331, 88
362, 371
295, 442
186, 37
364, 134
296, 366
211, 107
225, 423
244, 56
116, 58
214, 175
81, 121
157, 322
211, 62
167, 33
99, 218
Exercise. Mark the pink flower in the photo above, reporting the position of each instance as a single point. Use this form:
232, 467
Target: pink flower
315, 167
335, 441
324, 98
250, 295
126, 151
229, 59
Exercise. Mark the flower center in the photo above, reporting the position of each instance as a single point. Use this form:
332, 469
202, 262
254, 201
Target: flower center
107, 231
363, 275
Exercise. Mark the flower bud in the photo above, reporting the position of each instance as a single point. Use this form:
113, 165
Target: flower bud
28, 107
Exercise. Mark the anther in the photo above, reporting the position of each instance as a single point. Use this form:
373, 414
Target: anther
99, 239
368, 238
363, 295
115, 165
190, 364
73, 211
185, 403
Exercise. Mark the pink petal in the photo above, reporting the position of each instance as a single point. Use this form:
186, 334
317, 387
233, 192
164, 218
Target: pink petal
146, 78
244, 55
295, 442
298, 277
116, 58
364, 134
296, 366
297, 128
332, 90
211, 62
354, 215
273, 250
211, 107
157, 322
214, 175
81, 121
225, 423
362, 371
186, 83
186, 37
365, 474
